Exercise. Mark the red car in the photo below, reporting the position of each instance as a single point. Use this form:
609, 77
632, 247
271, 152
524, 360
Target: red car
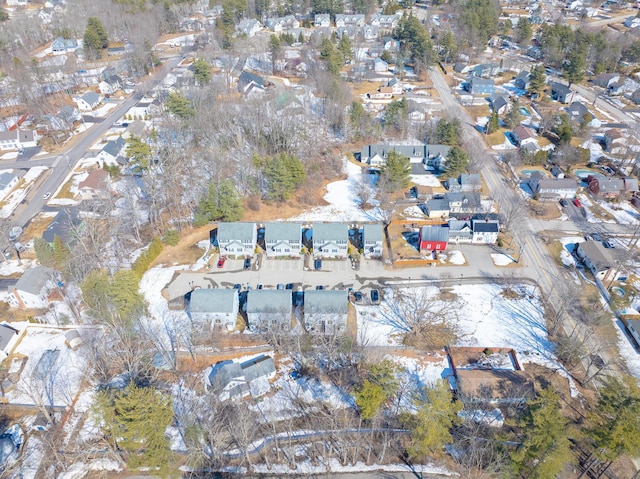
577, 203
221, 261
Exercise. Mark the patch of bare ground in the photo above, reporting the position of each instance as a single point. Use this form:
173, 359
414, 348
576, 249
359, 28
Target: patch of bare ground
186, 251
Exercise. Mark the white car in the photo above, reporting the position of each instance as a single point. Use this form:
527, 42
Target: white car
46, 196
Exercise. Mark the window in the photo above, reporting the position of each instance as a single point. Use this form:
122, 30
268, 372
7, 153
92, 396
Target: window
428, 245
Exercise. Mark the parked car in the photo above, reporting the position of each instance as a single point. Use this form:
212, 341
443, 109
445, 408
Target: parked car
221, 261
280, 286
289, 286
237, 286
319, 287
564, 202
247, 263
46, 195
375, 295
295, 374
577, 202
607, 244
317, 264
260, 286
358, 296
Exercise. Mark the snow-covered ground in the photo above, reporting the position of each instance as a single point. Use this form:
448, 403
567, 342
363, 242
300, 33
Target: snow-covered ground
19, 194
426, 180
501, 259
14, 267
342, 197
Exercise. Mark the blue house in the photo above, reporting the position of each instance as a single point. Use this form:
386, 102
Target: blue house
480, 86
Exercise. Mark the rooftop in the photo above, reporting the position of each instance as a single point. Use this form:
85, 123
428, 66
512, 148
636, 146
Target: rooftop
213, 300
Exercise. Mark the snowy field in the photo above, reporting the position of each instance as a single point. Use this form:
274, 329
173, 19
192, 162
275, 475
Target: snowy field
426, 180
16, 196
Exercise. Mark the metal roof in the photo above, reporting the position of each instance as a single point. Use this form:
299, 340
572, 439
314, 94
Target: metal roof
489, 226
434, 233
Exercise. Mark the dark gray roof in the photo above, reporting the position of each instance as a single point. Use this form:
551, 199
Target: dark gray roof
559, 88
459, 225
499, 102
597, 254
480, 81
62, 225
481, 226
470, 200
434, 233
282, 231
6, 178
259, 367
91, 97
269, 301
469, 179
438, 204
372, 232
330, 232
325, 301
6, 334
212, 300
114, 147
577, 109
236, 231
409, 151
607, 185
34, 279
247, 77
557, 183
223, 373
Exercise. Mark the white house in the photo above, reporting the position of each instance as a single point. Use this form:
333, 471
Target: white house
8, 180
280, 24
330, 240
598, 260
88, 101
283, 239
249, 27
343, 20
524, 136
63, 45
8, 337
325, 311
269, 309
111, 151
237, 239
18, 139
372, 238
211, 308
33, 288
485, 231
322, 20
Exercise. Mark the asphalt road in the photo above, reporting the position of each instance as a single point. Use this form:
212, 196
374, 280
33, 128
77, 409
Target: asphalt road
535, 255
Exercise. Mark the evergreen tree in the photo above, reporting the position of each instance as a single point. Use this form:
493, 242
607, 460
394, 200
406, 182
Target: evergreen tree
524, 30
179, 106
345, 49
134, 420
563, 129
395, 173
493, 124
92, 44
615, 421
369, 397
538, 80
60, 253
457, 162
276, 47
395, 115
4, 15
430, 427
284, 174
415, 42
124, 293
448, 132
385, 374
96, 293
96, 25
138, 152
44, 252
202, 71
513, 116
448, 47
545, 447
574, 69
222, 203
330, 56
327, 6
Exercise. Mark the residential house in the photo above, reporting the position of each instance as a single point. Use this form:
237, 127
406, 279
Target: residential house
8, 337
556, 171
464, 183
605, 187
561, 93
524, 136
461, 68
112, 151
485, 70
379, 65
480, 86
417, 116
349, 31
237, 239
630, 185
534, 52
523, 80
396, 86
213, 307
280, 24
433, 238
88, 101
283, 239
356, 20
485, 231
68, 115
64, 225
632, 22
250, 84
64, 45
500, 104
257, 373
369, 32
96, 185
33, 288
617, 88
437, 208
460, 231
464, 202
555, 188
269, 309
432, 156
598, 260
390, 44
8, 180
330, 240
372, 240
248, 27
18, 139
325, 311
387, 22
577, 111
322, 20
109, 81
614, 142
226, 380
605, 80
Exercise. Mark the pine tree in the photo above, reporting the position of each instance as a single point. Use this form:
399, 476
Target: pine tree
222, 203
44, 252
369, 398
448, 132
563, 130
96, 293
395, 173
124, 293
538, 80
524, 30
330, 56
202, 71
545, 447
96, 25
179, 106
284, 174
431, 425
575, 68
345, 49
138, 152
60, 253
513, 116
135, 420
457, 162
493, 124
